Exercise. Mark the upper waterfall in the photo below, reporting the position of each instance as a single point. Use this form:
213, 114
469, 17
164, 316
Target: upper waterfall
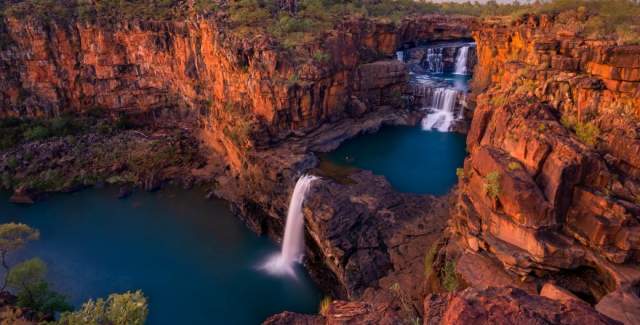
439, 81
434, 62
461, 61
293, 241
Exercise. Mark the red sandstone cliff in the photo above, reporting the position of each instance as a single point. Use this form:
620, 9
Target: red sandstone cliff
48, 68
552, 182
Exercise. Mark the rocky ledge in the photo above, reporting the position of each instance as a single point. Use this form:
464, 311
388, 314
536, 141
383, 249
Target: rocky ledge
504, 305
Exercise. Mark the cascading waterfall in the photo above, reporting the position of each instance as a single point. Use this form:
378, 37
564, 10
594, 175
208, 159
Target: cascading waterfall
442, 111
461, 61
434, 61
439, 74
293, 241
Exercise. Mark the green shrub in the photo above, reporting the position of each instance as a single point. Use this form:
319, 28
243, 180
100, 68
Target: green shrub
118, 309
293, 79
492, 184
238, 133
542, 127
499, 100
321, 56
460, 173
324, 305
514, 166
450, 279
249, 13
32, 291
37, 132
587, 133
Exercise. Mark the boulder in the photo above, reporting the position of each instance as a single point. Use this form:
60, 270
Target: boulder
506, 306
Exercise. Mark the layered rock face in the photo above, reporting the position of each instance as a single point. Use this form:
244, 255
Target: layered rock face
198, 66
552, 180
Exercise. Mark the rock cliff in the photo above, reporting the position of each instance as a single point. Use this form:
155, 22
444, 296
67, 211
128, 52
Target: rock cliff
199, 66
551, 184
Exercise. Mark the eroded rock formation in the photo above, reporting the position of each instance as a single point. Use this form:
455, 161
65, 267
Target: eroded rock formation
471, 306
196, 65
551, 184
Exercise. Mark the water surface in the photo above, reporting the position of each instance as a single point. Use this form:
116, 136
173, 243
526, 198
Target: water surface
195, 261
411, 159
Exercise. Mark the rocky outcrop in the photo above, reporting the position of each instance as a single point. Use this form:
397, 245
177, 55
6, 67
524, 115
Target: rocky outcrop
372, 237
506, 306
143, 157
471, 306
548, 188
341, 312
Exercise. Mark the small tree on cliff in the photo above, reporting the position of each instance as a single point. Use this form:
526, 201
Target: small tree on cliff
12, 237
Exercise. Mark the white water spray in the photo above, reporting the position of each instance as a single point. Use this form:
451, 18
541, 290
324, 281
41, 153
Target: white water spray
293, 241
461, 61
442, 115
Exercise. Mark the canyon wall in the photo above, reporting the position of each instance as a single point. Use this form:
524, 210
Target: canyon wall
552, 183
199, 65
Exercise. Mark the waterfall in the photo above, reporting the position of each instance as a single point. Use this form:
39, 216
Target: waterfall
461, 60
434, 62
442, 111
400, 56
293, 241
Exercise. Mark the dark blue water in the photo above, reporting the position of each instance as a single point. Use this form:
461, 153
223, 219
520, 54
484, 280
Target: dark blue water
413, 160
193, 259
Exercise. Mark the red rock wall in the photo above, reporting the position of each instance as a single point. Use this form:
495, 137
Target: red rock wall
46, 69
562, 203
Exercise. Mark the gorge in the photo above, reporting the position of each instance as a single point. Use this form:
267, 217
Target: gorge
535, 218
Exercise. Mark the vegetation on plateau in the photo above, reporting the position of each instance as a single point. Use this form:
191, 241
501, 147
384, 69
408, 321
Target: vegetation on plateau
297, 22
17, 130
27, 281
